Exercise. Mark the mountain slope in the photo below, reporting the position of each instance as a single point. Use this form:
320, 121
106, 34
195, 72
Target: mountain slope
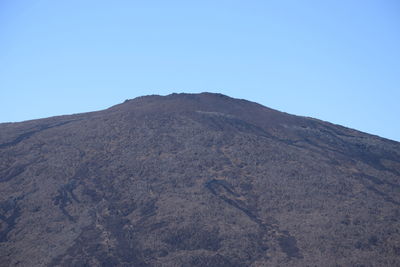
196, 180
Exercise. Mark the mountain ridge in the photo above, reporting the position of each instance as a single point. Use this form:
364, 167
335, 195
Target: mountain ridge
196, 180
156, 96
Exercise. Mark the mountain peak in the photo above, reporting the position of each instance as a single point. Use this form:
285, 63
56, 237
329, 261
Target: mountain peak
196, 180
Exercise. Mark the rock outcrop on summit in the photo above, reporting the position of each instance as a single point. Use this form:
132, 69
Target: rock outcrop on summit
196, 180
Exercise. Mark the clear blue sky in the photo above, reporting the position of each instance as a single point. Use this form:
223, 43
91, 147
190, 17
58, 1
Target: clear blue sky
336, 60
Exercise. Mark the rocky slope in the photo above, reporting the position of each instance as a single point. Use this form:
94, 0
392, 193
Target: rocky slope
196, 180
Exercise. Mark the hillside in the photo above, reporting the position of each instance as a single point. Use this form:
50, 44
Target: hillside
196, 180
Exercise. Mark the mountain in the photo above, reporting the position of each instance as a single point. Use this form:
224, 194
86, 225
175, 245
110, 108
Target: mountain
196, 180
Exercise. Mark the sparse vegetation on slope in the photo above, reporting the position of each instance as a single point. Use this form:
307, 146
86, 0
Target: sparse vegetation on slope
196, 180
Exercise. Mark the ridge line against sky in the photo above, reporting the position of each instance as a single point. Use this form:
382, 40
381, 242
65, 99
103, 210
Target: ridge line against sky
337, 61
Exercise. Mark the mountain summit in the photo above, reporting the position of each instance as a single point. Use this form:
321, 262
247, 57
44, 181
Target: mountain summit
196, 180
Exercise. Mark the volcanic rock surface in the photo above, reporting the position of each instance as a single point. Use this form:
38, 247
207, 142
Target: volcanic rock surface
196, 180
